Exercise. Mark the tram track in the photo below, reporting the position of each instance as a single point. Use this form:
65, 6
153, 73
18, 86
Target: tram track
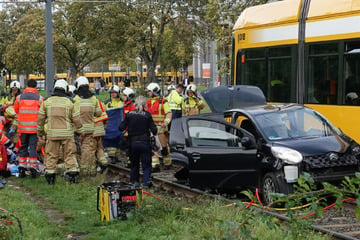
339, 224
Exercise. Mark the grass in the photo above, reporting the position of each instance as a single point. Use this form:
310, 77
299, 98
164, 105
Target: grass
63, 210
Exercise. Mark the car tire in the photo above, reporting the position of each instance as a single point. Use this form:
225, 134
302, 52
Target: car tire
273, 184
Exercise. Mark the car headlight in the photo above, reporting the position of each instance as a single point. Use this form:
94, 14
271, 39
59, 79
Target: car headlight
288, 155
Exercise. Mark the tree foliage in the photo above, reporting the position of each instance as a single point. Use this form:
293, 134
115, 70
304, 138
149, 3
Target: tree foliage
221, 16
77, 35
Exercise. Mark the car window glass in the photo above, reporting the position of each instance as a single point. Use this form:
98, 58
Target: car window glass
294, 123
208, 133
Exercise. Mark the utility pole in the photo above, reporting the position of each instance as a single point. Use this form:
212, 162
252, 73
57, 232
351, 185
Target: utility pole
49, 49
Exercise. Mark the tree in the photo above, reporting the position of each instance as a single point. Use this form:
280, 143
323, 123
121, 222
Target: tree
178, 44
26, 54
221, 16
77, 36
146, 22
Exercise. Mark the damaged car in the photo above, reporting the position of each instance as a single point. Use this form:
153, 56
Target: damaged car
248, 144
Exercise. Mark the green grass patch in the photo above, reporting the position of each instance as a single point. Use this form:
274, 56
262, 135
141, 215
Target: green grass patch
64, 210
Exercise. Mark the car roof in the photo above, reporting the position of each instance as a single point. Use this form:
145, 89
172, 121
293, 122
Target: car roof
265, 108
223, 98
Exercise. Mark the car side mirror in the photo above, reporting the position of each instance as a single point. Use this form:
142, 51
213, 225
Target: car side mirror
246, 142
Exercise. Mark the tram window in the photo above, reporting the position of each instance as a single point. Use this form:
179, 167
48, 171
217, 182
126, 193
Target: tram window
352, 73
255, 53
323, 48
255, 74
321, 86
280, 52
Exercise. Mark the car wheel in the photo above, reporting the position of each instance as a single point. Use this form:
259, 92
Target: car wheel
271, 184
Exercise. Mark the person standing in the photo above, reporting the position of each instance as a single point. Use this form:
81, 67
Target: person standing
15, 91
192, 103
139, 123
160, 111
59, 114
112, 138
27, 107
97, 86
175, 100
88, 106
99, 132
127, 96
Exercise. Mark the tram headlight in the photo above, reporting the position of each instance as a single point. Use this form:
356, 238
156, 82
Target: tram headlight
288, 155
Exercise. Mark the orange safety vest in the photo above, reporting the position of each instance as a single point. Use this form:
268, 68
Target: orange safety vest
156, 109
27, 107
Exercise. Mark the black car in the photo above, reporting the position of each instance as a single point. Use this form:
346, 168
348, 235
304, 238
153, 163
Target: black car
247, 144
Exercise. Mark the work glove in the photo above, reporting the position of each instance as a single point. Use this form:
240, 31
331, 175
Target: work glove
10, 133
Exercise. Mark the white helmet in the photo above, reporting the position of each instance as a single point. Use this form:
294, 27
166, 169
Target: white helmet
115, 88
171, 87
82, 81
154, 88
71, 89
191, 87
15, 84
129, 92
62, 84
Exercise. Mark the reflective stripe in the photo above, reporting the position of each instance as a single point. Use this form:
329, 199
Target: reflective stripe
28, 111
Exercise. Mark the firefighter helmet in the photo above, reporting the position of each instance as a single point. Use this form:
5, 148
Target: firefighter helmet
191, 87
115, 89
154, 88
171, 87
129, 92
61, 84
15, 84
82, 81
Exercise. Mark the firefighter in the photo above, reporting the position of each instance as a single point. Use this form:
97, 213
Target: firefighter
9, 145
88, 106
128, 96
192, 103
10, 126
113, 146
59, 114
161, 113
15, 91
27, 107
99, 132
175, 100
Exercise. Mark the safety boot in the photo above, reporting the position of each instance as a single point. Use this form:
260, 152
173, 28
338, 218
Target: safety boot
22, 172
50, 178
71, 177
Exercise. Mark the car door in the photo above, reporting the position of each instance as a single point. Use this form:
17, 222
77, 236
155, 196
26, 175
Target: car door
217, 158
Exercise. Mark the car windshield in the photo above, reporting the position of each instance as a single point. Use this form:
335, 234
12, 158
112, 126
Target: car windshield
288, 123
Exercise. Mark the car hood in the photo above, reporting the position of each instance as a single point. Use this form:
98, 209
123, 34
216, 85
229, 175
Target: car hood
316, 145
223, 98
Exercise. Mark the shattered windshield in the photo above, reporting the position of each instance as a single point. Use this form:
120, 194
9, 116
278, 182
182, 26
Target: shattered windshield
294, 123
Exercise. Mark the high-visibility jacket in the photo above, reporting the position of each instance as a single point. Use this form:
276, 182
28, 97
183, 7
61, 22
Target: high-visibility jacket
158, 107
89, 109
113, 103
9, 99
191, 106
175, 100
3, 138
99, 126
59, 115
27, 107
10, 115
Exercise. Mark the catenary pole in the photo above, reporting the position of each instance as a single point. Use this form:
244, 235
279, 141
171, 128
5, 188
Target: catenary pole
49, 49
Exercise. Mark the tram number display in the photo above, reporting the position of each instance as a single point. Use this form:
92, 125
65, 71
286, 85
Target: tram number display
241, 37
